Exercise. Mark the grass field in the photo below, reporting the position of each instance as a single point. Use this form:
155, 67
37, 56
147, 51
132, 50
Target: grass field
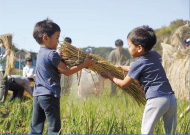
93, 115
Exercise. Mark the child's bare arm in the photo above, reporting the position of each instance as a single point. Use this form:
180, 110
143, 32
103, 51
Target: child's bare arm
122, 83
125, 68
69, 71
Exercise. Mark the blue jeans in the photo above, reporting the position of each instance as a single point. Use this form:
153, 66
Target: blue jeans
45, 107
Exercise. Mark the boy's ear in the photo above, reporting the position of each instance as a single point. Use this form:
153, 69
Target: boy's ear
45, 37
140, 48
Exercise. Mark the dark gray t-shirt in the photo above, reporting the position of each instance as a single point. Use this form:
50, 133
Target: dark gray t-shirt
149, 72
47, 74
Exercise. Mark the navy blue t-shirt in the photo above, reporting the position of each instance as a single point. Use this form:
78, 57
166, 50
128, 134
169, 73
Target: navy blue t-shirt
149, 71
47, 74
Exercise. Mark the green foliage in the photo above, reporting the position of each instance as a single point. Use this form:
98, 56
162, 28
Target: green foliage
92, 115
101, 51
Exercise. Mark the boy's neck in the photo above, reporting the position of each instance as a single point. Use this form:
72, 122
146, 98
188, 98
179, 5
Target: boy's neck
144, 53
43, 45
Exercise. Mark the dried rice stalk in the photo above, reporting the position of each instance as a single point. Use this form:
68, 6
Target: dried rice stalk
7, 42
178, 35
74, 56
175, 61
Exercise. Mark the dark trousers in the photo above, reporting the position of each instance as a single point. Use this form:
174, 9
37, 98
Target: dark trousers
45, 107
16, 88
3, 86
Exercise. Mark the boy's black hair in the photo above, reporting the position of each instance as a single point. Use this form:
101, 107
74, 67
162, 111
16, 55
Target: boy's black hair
44, 27
68, 40
28, 59
144, 36
118, 42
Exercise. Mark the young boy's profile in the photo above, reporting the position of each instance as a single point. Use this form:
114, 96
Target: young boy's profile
46, 94
148, 70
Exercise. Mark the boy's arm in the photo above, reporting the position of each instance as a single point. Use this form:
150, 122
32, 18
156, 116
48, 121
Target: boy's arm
121, 83
69, 71
125, 68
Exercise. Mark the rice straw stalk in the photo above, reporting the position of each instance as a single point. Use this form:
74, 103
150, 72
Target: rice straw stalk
74, 56
10, 62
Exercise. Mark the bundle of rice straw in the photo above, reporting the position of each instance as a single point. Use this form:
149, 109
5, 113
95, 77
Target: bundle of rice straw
74, 56
175, 60
7, 42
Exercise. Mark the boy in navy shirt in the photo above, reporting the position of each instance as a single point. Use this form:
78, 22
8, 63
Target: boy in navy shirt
148, 70
46, 94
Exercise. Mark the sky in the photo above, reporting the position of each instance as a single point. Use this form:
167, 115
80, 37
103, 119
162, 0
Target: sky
96, 23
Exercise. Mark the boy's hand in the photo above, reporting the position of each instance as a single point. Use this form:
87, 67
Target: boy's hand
106, 74
88, 62
7, 52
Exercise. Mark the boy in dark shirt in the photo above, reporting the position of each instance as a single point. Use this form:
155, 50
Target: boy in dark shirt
46, 94
148, 70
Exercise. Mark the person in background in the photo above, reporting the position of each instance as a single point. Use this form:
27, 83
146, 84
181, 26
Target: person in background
46, 94
29, 68
68, 40
3, 80
148, 70
17, 84
119, 57
66, 81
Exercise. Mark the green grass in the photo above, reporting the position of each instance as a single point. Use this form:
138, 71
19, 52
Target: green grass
93, 115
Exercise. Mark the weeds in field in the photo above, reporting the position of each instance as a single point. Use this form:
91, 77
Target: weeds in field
92, 115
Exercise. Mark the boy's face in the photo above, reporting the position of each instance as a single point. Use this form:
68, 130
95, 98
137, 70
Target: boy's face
134, 50
119, 48
29, 63
51, 42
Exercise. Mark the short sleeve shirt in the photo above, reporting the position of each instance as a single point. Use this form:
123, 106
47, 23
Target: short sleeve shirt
149, 71
47, 74
120, 58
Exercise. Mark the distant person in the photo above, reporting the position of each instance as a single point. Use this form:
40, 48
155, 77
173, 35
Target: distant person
46, 94
66, 81
3, 80
68, 40
17, 84
148, 70
119, 57
29, 68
